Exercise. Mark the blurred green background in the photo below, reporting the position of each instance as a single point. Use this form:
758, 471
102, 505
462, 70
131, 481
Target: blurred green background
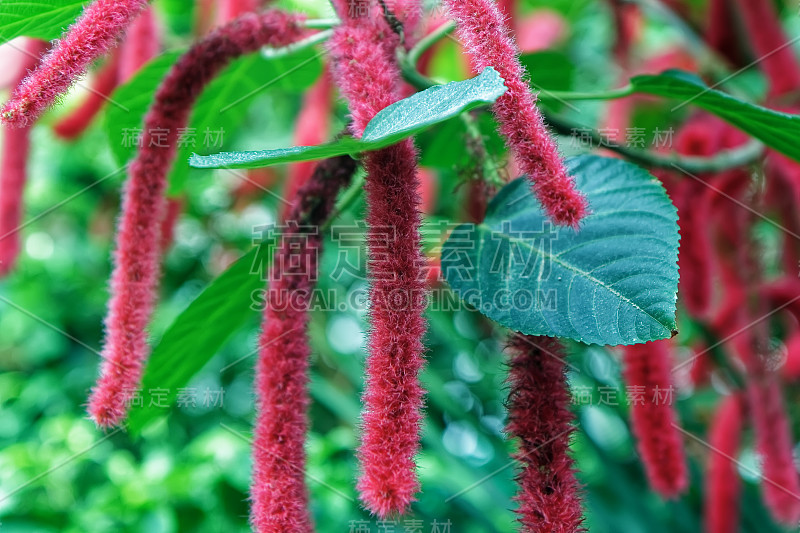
189, 471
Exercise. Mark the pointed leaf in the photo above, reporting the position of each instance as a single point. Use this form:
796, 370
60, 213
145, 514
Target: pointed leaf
394, 123
613, 282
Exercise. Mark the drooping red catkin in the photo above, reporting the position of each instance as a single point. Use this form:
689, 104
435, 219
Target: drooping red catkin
485, 37
142, 43
770, 45
781, 483
74, 124
94, 33
723, 484
13, 171
311, 129
368, 77
171, 215
539, 417
278, 492
647, 367
136, 260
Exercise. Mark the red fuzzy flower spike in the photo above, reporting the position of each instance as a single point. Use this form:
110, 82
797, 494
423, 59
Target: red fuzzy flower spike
781, 484
483, 32
278, 491
74, 124
647, 371
539, 416
772, 49
137, 261
13, 171
142, 43
368, 77
91, 37
723, 485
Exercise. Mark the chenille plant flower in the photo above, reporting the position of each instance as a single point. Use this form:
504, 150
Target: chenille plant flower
278, 491
369, 79
13, 170
485, 36
137, 257
90, 38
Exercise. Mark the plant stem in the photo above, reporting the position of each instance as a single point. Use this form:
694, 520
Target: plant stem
321, 24
602, 95
429, 40
724, 160
302, 44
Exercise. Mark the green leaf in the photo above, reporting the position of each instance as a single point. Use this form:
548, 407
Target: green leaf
394, 123
43, 20
197, 334
612, 282
221, 107
775, 129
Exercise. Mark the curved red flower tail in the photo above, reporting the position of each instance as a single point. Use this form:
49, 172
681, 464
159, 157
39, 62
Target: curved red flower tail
142, 43
311, 129
723, 485
171, 215
137, 255
91, 36
368, 77
74, 124
280, 498
539, 416
770, 45
13, 171
781, 484
658, 440
485, 37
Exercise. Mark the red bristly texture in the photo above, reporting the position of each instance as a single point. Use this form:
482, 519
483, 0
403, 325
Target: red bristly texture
647, 367
13, 171
723, 485
772, 49
142, 43
781, 483
137, 257
368, 77
171, 215
311, 129
280, 498
539, 416
74, 124
485, 37
94, 33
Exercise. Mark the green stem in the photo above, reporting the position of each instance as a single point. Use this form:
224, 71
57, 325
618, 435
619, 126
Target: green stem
429, 40
321, 24
308, 42
490, 168
726, 159
602, 95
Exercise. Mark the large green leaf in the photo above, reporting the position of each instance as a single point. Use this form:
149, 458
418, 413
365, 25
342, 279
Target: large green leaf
221, 107
393, 123
197, 334
44, 20
775, 129
612, 282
